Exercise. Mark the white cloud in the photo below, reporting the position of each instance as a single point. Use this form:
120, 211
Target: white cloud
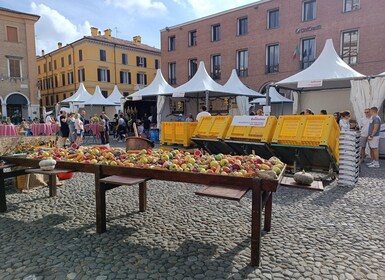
147, 8
53, 27
203, 8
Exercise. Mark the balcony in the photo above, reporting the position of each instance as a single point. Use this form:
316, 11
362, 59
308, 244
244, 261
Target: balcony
242, 72
271, 68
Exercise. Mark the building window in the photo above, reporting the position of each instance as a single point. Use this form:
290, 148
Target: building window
172, 73
57, 98
192, 67
125, 77
70, 78
54, 64
351, 5
308, 52
69, 59
56, 81
157, 64
64, 96
80, 55
272, 58
171, 43
12, 34
141, 79
81, 75
349, 48
309, 8
273, 19
124, 59
242, 63
141, 61
105, 93
192, 38
242, 26
102, 55
216, 67
51, 97
63, 79
62, 62
38, 69
215, 32
14, 68
103, 75
49, 66
45, 67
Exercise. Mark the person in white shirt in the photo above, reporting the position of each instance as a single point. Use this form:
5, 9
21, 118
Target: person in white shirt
203, 113
79, 128
48, 119
364, 129
344, 121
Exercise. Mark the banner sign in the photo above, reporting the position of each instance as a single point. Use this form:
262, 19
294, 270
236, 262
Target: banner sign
307, 84
249, 121
178, 94
137, 97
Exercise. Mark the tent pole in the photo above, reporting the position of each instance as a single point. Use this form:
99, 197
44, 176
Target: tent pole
207, 99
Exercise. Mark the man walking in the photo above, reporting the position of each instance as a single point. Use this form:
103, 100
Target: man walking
365, 121
374, 137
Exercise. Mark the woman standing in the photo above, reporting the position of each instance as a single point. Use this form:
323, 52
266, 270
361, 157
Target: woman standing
79, 128
344, 121
64, 128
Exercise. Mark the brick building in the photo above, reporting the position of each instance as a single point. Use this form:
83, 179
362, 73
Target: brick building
269, 40
18, 75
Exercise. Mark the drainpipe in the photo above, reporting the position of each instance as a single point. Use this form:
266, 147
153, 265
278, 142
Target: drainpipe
74, 68
115, 63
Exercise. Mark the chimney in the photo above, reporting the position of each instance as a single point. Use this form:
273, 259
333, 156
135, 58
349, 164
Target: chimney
94, 31
107, 33
137, 39
42, 52
99, 33
59, 45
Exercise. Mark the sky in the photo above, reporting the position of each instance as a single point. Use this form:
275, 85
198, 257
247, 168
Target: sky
68, 20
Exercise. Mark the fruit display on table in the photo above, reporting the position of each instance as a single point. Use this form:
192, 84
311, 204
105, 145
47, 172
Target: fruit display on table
175, 160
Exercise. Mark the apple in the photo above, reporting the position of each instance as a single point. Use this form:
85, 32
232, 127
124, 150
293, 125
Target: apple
218, 157
224, 162
173, 167
226, 169
214, 164
165, 157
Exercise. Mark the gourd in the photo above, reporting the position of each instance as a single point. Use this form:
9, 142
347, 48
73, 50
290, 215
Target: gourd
47, 164
303, 178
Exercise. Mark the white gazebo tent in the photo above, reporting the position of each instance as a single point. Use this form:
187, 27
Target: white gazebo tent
159, 89
79, 97
280, 105
235, 86
328, 78
97, 102
116, 97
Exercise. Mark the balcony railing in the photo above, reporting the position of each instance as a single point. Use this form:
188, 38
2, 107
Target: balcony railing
272, 68
242, 72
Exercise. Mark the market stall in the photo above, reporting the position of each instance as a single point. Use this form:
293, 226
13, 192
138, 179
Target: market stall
97, 103
280, 105
77, 99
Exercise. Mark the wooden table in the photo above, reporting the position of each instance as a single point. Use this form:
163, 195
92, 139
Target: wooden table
51, 177
262, 191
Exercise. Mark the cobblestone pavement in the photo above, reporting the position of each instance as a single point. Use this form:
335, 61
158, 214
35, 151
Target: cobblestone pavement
335, 234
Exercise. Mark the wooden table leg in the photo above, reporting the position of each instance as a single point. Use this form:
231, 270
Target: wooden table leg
142, 196
100, 196
52, 185
268, 212
256, 215
3, 200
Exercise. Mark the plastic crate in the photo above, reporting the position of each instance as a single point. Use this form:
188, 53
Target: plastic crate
167, 133
253, 133
310, 130
212, 127
183, 132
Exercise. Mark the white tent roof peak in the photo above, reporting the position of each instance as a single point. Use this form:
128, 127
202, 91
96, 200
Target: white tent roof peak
98, 99
328, 67
158, 86
235, 85
275, 96
81, 95
200, 83
115, 96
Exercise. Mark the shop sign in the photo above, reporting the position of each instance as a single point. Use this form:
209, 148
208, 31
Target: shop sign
259, 121
178, 94
307, 29
137, 97
309, 84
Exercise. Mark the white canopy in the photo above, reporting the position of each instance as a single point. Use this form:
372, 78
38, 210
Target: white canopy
201, 83
98, 99
115, 96
328, 69
81, 95
275, 97
158, 86
235, 86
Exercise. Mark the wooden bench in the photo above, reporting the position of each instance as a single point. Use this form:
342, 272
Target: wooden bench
231, 192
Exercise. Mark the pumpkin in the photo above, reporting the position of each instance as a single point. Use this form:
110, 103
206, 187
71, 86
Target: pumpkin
303, 178
47, 164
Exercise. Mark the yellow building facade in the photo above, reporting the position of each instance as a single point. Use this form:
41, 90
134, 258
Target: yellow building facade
100, 60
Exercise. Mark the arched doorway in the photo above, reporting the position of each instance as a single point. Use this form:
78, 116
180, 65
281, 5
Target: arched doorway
17, 106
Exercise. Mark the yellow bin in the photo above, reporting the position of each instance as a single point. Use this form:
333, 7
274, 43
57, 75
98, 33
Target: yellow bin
212, 127
183, 132
167, 135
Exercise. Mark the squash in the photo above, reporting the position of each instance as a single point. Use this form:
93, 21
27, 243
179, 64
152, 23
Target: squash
303, 178
47, 164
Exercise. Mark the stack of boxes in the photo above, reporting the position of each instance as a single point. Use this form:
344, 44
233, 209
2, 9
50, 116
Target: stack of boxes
349, 162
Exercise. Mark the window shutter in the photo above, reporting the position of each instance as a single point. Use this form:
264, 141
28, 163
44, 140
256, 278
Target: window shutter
99, 75
121, 77
145, 61
79, 77
84, 74
137, 60
108, 75
138, 78
129, 77
145, 79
